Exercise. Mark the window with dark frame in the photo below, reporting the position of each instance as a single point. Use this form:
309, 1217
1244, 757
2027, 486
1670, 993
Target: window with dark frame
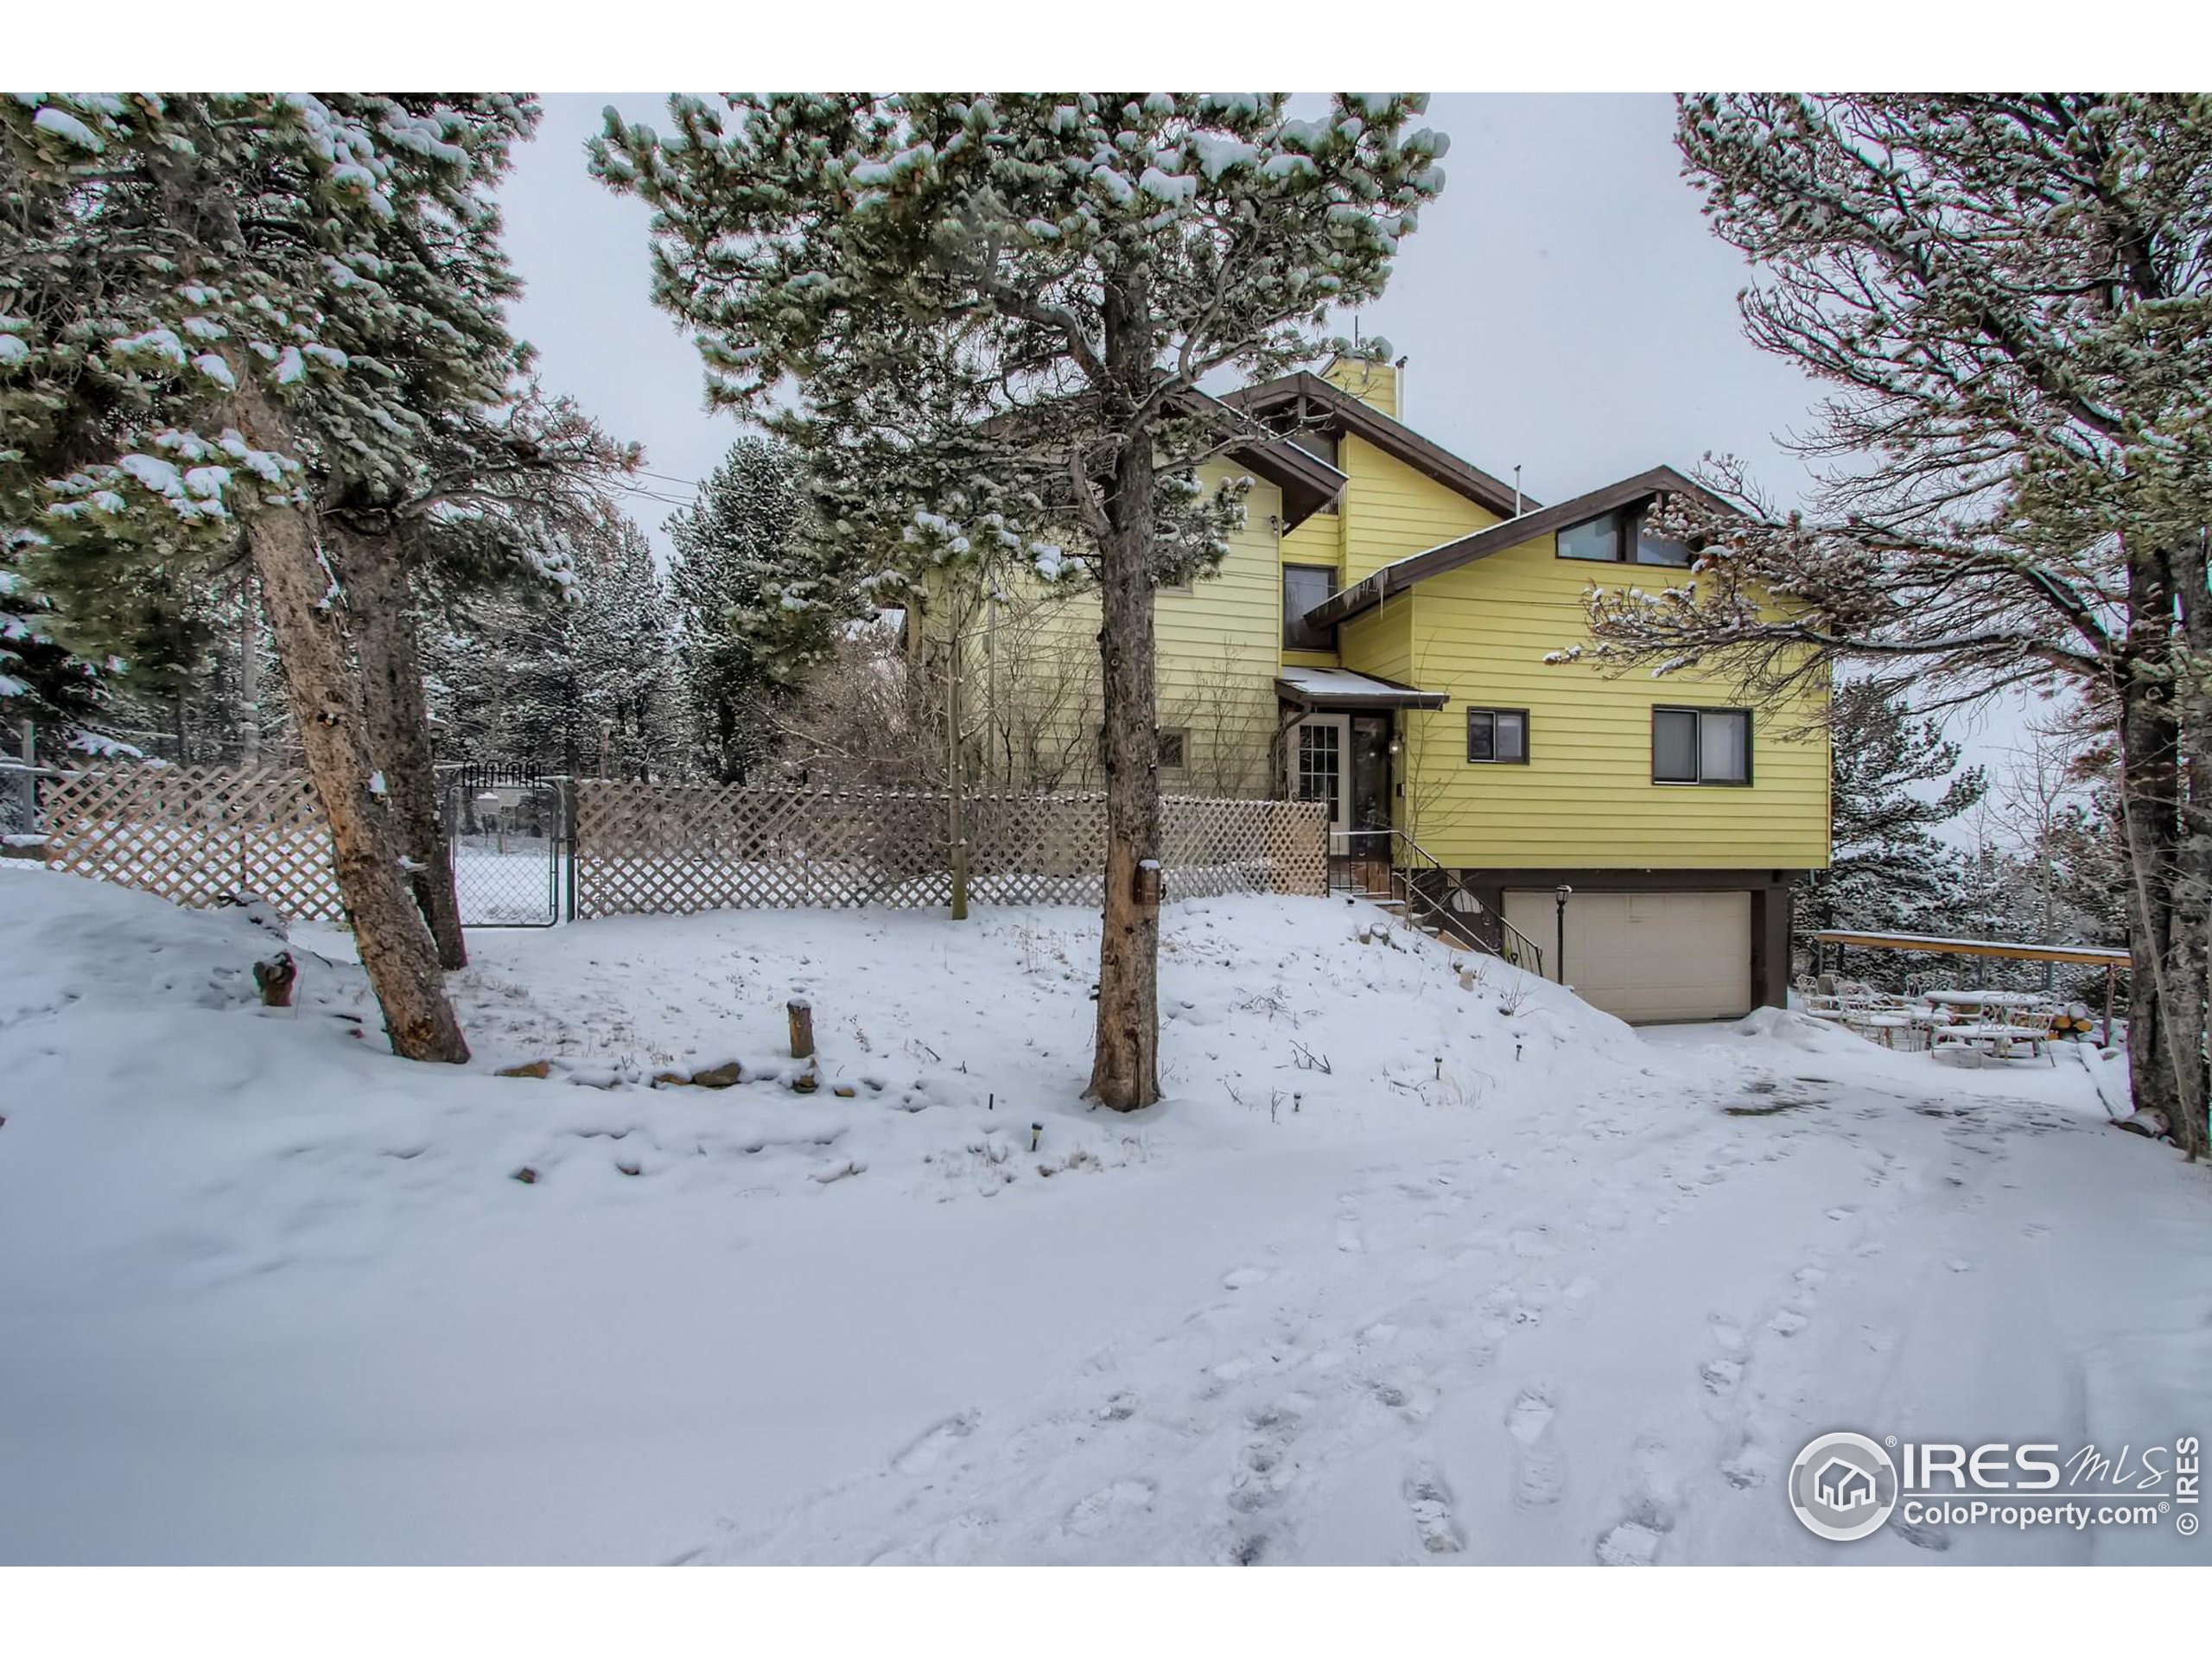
1497, 736
1305, 586
1597, 540
1173, 746
1701, 746
1620, 537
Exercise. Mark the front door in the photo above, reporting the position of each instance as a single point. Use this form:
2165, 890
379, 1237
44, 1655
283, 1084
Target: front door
1323, 771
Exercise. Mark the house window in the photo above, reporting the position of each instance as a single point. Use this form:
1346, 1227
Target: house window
1305, 586
1621, 538
1700, 746
1322, 445
1657, 549
1498, 736
1594, 538
1172, 747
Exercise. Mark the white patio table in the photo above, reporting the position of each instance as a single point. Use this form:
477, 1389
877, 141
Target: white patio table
1984, 1000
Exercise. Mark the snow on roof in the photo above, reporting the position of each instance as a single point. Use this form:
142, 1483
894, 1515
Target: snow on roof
1342, 685
1938, 944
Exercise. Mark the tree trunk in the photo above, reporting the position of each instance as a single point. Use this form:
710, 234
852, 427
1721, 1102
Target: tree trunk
249, 671
2185, 990
295, 587
379, 611
2150, 794
1125, 1065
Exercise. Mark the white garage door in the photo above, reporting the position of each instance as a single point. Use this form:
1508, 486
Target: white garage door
1647, 956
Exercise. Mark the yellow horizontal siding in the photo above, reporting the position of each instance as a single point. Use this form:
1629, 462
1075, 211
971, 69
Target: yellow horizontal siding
1585, 797
1391, 512
1381, 641
1319, 540
1216, 649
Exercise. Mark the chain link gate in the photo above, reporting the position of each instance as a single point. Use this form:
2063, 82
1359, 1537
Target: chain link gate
508, 828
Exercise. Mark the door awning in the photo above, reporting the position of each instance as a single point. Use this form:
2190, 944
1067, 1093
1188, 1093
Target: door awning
1339, 688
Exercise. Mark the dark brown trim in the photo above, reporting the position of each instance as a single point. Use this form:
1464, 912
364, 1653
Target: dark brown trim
1628, 535
1751, 734
1532, 526
1308, 484
1493, 760
1395, 438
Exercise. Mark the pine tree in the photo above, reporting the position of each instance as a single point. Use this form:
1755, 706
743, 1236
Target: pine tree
580, 677
1888, 872
2007, 294
998, 312
754, 609
624, 639
231, 312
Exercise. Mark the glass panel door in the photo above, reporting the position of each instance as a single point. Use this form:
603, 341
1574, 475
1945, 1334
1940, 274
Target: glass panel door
1321, 770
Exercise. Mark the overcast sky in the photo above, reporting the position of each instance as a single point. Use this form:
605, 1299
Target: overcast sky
1563, 306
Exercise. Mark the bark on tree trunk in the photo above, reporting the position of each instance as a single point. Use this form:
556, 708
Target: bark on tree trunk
2185, 991
397, 717
1125, 1065
2149, 796
388, 930
249, 671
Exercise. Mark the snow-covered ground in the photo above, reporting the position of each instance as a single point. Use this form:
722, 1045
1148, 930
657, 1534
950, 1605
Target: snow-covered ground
1406, 1268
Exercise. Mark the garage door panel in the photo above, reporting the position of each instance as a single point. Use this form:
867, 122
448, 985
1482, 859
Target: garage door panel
1649, 956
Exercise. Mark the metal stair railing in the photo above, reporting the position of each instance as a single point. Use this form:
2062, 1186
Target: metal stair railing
1445, 900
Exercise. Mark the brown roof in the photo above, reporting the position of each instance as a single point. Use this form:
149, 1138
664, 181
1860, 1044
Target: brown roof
1344, 410
1308, 483
1450, 556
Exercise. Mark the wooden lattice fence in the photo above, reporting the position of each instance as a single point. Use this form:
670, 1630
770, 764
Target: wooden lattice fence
195, 834
661, 847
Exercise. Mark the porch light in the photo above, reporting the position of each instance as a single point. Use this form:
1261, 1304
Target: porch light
1397, 745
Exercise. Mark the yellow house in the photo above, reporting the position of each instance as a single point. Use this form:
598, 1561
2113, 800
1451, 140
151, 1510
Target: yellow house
1393, 633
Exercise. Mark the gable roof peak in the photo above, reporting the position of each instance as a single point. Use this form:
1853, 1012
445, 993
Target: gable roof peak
1396, 577
1323, 402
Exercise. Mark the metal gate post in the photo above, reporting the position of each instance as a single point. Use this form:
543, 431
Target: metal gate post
568, 839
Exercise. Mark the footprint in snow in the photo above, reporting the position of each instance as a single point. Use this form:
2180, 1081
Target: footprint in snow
1244, 1278
928, 1451
1630, 1544
1788, 1322
1119, 1408
1094, 1515
961, 1541
1264, 1468
1539, 1475
1749, 1467
1721, 1375
1430, 1502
